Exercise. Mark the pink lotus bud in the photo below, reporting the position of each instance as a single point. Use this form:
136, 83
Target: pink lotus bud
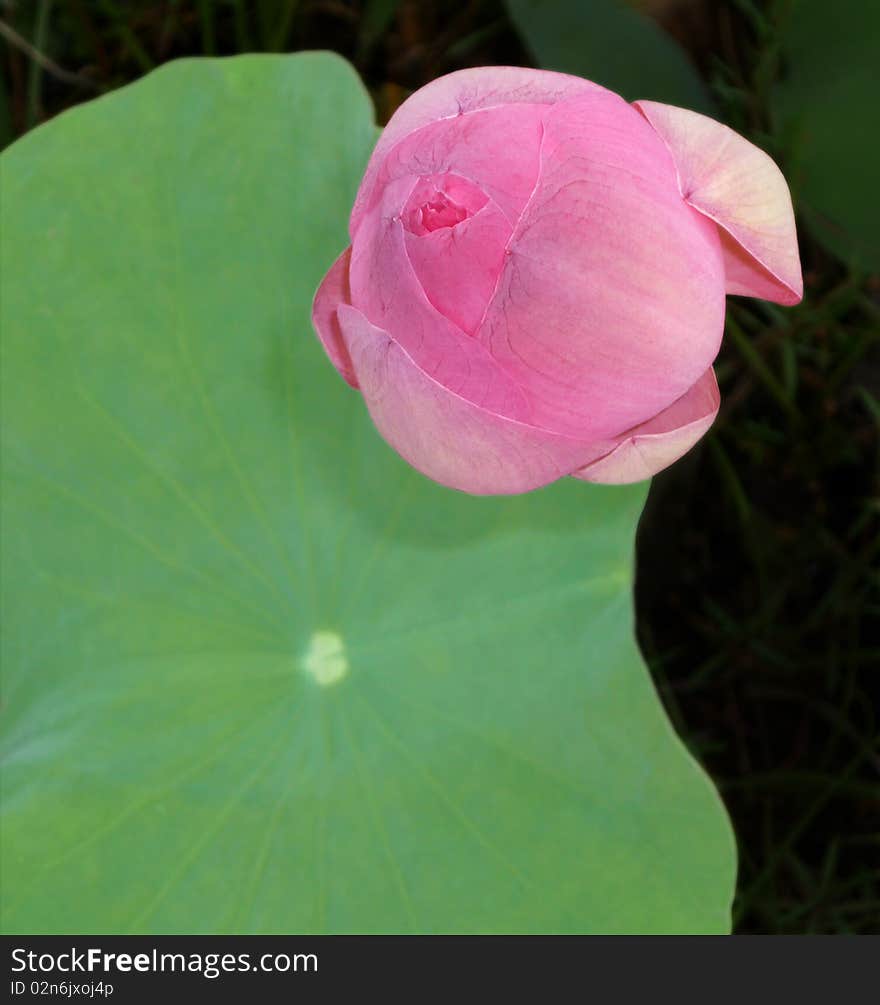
536, 279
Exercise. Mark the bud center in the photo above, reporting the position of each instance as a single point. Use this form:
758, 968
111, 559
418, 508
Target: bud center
441, 211
441, 202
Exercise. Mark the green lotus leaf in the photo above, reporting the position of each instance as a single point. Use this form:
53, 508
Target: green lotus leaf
259, 675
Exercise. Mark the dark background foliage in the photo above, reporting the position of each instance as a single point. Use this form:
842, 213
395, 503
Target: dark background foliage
757, 592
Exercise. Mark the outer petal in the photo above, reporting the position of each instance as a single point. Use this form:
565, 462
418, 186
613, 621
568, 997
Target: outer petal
447, 438
457, 94
611, 301
739, 187
333, 291
655, 444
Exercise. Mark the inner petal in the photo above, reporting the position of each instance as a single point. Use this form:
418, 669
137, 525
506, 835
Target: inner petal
389, 292
455, 239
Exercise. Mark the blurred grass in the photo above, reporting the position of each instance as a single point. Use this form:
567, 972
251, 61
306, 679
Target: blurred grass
758, 592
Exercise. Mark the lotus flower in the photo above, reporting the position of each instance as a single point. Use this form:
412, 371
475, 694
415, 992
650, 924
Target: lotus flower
536, 280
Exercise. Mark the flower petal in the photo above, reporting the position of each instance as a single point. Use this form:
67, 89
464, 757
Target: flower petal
466, 145
457, 94
611, 301
386, 289
459, 266
655, 444
447, 438
737, 185
333, 291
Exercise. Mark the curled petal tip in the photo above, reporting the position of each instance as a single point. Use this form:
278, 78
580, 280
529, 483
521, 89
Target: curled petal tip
739, 186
